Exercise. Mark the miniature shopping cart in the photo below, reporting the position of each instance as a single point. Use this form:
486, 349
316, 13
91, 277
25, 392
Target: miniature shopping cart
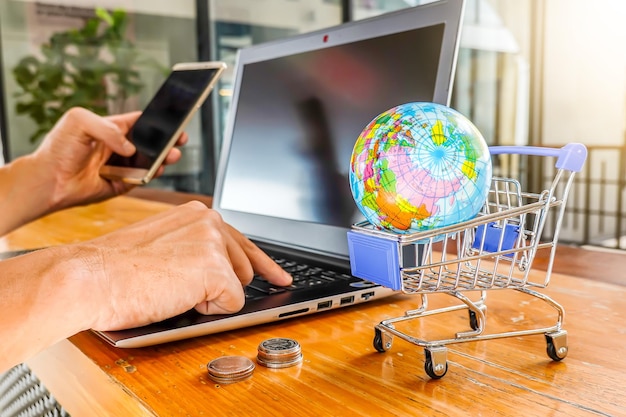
495, 250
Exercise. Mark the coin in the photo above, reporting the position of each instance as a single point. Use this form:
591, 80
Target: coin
279, 352
279, 345
229, 369
283, 364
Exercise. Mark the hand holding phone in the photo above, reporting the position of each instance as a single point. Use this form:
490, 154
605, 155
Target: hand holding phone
155, 132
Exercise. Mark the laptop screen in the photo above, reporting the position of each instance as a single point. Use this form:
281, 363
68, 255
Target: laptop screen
299, 106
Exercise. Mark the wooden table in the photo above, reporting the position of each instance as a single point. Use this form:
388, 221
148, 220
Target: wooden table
342, 374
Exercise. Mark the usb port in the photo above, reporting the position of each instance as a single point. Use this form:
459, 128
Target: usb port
346, 300
324, 304
367, 295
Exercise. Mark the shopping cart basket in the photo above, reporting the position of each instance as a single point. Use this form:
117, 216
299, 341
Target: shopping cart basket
495, 250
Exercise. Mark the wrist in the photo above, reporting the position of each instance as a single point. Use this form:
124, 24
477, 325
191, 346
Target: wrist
25, 193
45, 300
44, 177
82, 275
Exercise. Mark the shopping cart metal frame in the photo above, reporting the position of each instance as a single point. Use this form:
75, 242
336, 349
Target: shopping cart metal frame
495, 250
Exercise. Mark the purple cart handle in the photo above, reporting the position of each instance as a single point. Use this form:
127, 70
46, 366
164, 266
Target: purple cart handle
570, 157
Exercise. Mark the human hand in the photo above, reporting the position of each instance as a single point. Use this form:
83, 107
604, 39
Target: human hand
77, 147
163, 266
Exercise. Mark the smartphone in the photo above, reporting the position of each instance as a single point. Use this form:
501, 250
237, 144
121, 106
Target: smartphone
163, 120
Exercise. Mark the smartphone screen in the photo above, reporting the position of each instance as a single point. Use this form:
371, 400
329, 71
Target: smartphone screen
153, 133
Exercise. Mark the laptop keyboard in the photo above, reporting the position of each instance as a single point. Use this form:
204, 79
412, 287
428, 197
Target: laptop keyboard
304, 276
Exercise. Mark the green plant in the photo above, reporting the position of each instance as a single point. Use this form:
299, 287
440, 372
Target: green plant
94, 67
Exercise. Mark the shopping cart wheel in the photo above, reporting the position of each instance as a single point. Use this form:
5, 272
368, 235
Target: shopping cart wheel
557, 345
382, 340
436, 362
473, 318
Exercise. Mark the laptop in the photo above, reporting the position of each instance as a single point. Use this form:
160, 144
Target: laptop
298, 106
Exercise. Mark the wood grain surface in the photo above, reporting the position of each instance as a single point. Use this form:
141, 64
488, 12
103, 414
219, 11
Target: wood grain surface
342, 374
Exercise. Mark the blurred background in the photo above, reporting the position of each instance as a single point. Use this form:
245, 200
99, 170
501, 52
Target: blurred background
530, 72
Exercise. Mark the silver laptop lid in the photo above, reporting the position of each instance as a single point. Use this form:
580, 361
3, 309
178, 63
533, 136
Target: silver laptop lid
298, 106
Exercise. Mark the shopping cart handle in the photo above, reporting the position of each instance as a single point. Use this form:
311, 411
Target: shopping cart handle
571, 156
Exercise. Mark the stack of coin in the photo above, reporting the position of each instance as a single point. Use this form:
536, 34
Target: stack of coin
229, 369
279, 352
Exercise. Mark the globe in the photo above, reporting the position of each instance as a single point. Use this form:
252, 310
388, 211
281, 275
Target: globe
419, 166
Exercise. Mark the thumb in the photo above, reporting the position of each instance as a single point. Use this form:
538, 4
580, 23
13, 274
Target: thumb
115, 140
101, 129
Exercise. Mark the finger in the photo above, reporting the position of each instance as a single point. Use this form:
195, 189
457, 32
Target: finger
125, 120
182, 139
99, 128
229, 301
261, 263
213, 307
239, 261
173, 156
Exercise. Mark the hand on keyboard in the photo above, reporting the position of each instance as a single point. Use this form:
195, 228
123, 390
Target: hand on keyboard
304, 276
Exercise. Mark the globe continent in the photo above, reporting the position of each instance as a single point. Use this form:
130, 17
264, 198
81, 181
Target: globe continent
420, 166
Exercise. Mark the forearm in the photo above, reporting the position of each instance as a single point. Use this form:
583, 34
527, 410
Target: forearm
25, 193
45, 297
